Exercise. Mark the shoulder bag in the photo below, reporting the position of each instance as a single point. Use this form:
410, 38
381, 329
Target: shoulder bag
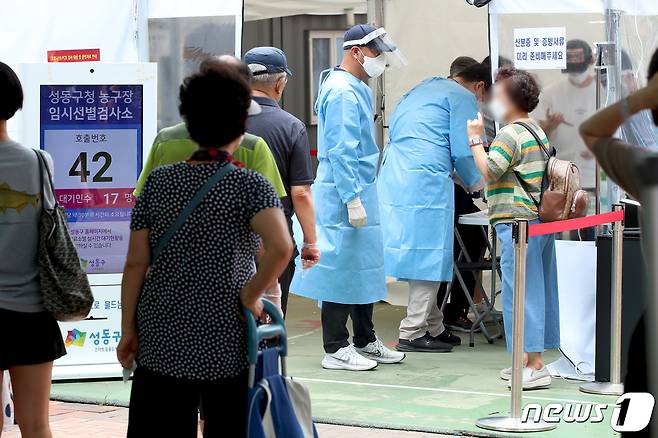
561, 194
64, 284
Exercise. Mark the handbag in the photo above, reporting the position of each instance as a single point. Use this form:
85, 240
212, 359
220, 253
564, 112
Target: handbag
64, 285
561, 194
189, 208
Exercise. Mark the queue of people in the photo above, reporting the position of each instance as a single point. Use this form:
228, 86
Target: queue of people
191, 268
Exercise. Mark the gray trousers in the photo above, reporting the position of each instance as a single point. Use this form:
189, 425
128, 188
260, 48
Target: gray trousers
423, 313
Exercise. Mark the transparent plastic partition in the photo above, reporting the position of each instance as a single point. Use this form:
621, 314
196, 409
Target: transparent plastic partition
179, 45
567, 99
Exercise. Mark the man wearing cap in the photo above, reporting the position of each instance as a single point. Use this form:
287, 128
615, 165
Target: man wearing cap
286, 136
564, 105
173, 144
350, 276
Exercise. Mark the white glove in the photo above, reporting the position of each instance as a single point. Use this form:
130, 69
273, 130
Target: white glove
357, 214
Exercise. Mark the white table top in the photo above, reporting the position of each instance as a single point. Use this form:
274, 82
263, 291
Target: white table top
480, 218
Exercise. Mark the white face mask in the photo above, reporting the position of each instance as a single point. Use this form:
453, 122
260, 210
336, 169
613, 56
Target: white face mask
498, 110
580, 78
374, 67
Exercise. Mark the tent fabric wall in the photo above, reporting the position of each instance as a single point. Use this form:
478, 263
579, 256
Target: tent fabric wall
196, 8
262, 9
30, 28
431, 36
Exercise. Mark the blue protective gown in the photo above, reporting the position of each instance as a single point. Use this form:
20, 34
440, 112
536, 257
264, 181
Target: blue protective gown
427, 141
351, 269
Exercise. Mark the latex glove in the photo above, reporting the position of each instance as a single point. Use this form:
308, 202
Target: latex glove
357, 214
310, 255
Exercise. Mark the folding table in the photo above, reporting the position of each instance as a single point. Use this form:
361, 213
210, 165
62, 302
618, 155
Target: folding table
465, 264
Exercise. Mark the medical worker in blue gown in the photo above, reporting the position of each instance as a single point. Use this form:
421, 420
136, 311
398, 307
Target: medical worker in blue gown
350, 277
428, 143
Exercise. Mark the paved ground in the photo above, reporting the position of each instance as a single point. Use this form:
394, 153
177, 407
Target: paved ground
71, 420
428, 393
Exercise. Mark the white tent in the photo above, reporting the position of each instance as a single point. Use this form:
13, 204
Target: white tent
261, 9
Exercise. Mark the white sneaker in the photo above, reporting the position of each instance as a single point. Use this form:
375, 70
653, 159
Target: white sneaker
378, 352
534, 379
347, 359
506, 373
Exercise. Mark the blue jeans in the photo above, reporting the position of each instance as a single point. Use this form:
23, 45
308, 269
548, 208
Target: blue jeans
542, 314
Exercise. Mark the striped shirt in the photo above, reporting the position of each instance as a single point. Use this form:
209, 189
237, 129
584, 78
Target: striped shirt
515, 152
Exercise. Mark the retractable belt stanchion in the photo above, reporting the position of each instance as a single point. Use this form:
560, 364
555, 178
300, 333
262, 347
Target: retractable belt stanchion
614, 386
513, 422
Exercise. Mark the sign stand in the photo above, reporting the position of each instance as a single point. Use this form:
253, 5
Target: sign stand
97, 122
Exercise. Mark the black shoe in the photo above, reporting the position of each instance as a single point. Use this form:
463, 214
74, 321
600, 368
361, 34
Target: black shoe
463, 324
448, 338
426, 344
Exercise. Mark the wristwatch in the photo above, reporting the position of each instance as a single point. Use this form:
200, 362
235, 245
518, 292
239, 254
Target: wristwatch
476, 141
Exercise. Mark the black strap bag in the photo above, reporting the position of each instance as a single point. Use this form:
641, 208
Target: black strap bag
64, 285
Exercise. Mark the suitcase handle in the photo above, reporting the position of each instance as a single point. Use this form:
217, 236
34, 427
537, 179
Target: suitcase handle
256, 334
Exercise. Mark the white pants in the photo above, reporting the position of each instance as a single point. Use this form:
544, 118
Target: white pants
423, 313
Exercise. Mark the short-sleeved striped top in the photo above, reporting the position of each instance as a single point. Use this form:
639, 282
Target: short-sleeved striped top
515, 150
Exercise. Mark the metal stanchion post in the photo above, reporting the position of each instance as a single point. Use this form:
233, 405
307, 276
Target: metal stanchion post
614, 386
513, 422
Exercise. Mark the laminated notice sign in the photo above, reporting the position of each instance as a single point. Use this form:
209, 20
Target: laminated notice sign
94, 134
540, 48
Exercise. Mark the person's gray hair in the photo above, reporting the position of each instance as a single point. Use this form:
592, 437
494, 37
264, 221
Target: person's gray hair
267, 79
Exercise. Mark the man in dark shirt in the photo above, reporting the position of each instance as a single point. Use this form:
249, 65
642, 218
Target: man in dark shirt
286, 136
621, 162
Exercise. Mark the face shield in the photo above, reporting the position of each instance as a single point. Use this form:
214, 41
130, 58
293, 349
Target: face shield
380, 41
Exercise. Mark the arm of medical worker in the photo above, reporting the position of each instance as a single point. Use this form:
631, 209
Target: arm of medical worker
270, 224
134, 273
343, 135
461, 110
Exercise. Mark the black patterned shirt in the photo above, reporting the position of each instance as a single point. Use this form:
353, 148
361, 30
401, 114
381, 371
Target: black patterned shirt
188, 316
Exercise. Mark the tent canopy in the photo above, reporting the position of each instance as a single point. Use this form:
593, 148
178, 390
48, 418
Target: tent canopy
262, 9
635, 7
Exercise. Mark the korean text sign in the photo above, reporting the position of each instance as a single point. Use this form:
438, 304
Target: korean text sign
94, 134
540, 48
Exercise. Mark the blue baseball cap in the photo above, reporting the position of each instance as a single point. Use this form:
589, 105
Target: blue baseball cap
356, 35
272, 58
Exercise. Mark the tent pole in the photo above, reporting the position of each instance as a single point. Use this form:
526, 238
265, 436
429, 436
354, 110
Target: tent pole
376, 18
613, 35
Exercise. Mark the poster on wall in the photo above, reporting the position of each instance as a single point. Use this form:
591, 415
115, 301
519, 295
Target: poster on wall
94, 134
540, 48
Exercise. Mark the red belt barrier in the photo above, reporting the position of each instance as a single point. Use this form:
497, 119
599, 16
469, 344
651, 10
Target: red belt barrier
575, 224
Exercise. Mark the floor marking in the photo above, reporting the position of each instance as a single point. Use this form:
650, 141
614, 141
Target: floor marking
453, 391
301, 335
